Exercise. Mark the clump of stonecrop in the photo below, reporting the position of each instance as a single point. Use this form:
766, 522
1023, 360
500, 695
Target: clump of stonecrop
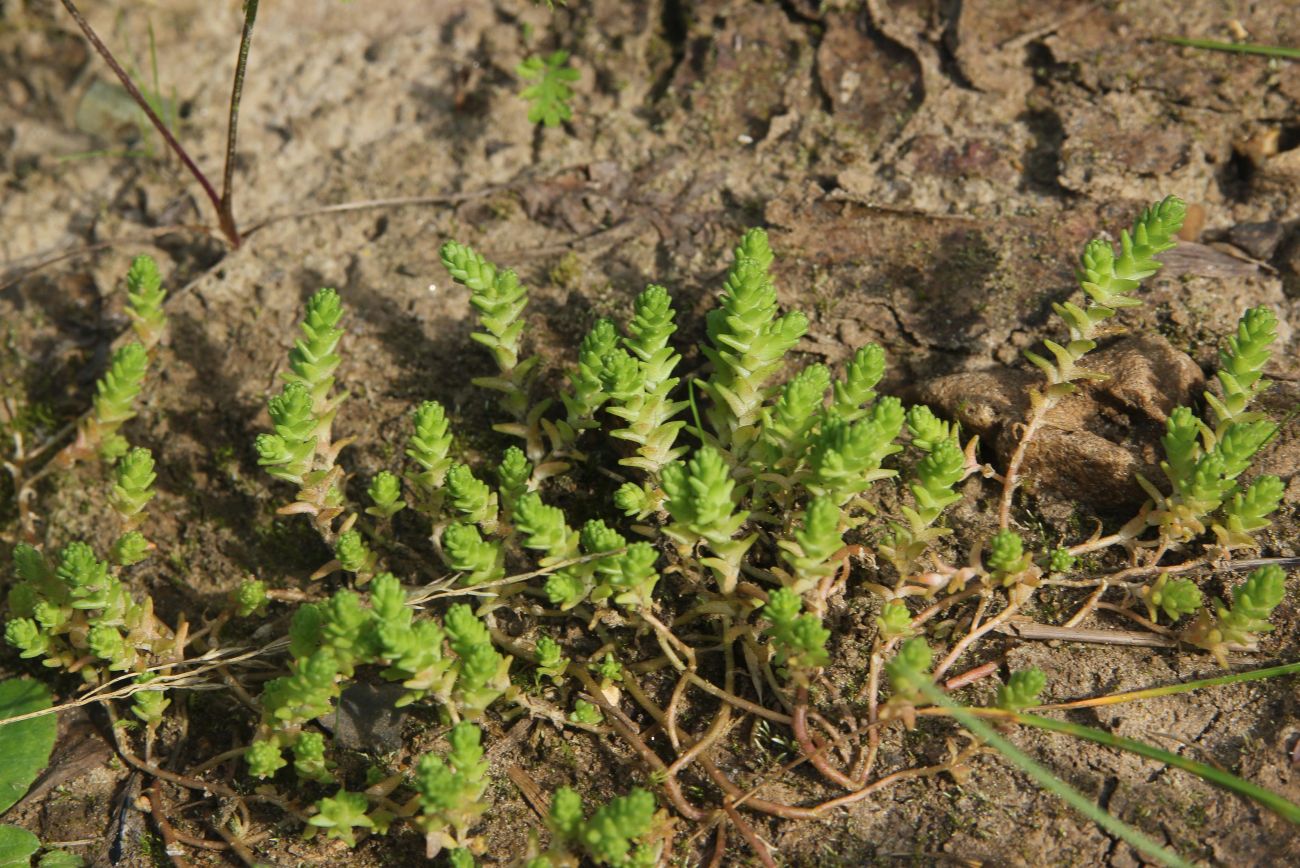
622, 833
744, 492
74, 611
116, 392
1204, 459
301, 449
452, 663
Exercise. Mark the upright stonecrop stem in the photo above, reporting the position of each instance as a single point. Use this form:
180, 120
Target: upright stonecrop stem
1109, 282
640, 381
514, 478
702, 500
430, 447
1202, 462
620, 833
858, 388
314, 358
586, 393
500, 298
132, 487
301, 450
145, 299
451, 790
846, 457
810, 554
472, 497
1241, 367
115, 395
933, 480
468, 552
799, 641
1253, 602
788, 424
544, 529
117, 390
747, 342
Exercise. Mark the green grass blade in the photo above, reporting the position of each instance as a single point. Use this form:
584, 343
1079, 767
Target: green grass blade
1171, 689
1235, 47
1286, 809
1052, 783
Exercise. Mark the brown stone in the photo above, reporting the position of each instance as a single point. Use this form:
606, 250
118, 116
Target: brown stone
1096, 441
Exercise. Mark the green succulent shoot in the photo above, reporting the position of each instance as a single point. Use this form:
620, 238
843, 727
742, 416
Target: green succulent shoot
133, 479
1061, 561
451, 789
309, 760
895, 621
314, 357
788, 425
385, 495
355, 556
145, 299
927, 429
798, 640
1108, 281
639, 382
586, 392
480, 560
472, 497
701, 498
617, 834
115, 395
585, 713
909, 668
1007, 561
250, 598
289, 455
1174, 598
551, 662
429, 447
1022, 689
747, 342
1247, 513
341, 815
131, 548
858, 387
934, 479
1240, 623
846, 457
514, 477
811, 554
499, 298
264, 759
1241, 365
149, 704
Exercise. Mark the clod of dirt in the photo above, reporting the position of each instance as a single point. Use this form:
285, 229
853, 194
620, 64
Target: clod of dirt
1096, 441
865, 77
1288, 263
1260, 240
366, 718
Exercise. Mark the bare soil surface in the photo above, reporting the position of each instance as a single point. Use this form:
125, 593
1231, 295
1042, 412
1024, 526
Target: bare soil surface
928, 172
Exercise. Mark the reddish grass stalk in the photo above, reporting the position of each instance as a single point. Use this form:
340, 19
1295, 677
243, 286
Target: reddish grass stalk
223, 204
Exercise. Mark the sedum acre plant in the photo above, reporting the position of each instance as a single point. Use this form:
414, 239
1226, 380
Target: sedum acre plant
700, 578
